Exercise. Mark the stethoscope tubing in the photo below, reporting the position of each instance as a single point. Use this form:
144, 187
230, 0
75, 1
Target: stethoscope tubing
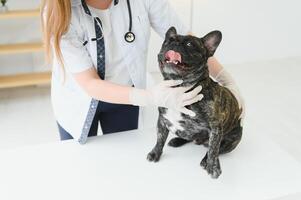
130, 15
129, 36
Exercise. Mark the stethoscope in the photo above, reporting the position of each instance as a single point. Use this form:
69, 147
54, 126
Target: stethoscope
128, 36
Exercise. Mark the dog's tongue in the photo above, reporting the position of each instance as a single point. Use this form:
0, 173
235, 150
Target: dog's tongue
173, 56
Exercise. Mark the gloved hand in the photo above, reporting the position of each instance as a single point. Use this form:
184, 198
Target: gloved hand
225, 79
164, 95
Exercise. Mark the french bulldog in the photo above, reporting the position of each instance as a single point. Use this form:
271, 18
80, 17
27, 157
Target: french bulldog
216, 124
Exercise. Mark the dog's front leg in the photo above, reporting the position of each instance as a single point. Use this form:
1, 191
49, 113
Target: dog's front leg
211, 162
162, 134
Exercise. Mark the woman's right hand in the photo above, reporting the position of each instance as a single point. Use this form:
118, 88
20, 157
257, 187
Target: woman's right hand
165, 94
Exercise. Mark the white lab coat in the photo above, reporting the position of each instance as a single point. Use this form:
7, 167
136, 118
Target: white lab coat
70, 102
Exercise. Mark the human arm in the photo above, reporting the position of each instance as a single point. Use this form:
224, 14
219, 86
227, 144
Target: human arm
214, 66
100, 89
162, 16
162, 94
223, 77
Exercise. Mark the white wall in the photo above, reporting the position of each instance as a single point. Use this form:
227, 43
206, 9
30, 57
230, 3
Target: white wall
253, 29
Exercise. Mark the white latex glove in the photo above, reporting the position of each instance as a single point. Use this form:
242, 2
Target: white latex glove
225, 79
164, 95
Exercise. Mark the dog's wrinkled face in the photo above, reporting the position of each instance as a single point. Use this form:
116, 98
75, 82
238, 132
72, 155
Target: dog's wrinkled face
186, 56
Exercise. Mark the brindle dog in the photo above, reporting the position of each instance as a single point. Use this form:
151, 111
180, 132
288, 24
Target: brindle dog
217, 121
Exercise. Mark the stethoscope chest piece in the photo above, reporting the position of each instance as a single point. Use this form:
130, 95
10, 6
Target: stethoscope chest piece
129, 37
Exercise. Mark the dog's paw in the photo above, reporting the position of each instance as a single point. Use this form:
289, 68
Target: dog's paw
177, 142
154, 156
212, 167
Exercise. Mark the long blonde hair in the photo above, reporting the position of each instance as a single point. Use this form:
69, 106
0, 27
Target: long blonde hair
55, 21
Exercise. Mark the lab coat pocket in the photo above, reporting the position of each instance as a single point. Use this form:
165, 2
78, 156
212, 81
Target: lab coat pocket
141, 28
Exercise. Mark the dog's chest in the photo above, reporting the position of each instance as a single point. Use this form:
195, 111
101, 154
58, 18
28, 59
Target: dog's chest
183, 124
187, 127
174, 117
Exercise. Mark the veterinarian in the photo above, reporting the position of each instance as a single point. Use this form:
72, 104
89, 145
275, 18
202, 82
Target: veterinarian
98, 51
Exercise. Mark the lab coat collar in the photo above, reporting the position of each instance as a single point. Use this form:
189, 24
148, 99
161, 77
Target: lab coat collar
75, 2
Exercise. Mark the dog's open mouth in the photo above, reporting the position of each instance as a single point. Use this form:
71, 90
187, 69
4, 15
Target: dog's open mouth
173, 57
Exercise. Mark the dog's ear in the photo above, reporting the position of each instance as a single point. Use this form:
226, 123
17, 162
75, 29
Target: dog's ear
172, 32
211, 41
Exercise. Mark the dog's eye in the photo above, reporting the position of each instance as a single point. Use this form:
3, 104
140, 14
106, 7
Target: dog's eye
189, 44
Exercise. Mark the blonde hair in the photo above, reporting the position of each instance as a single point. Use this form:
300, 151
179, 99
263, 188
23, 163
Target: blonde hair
55, 21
